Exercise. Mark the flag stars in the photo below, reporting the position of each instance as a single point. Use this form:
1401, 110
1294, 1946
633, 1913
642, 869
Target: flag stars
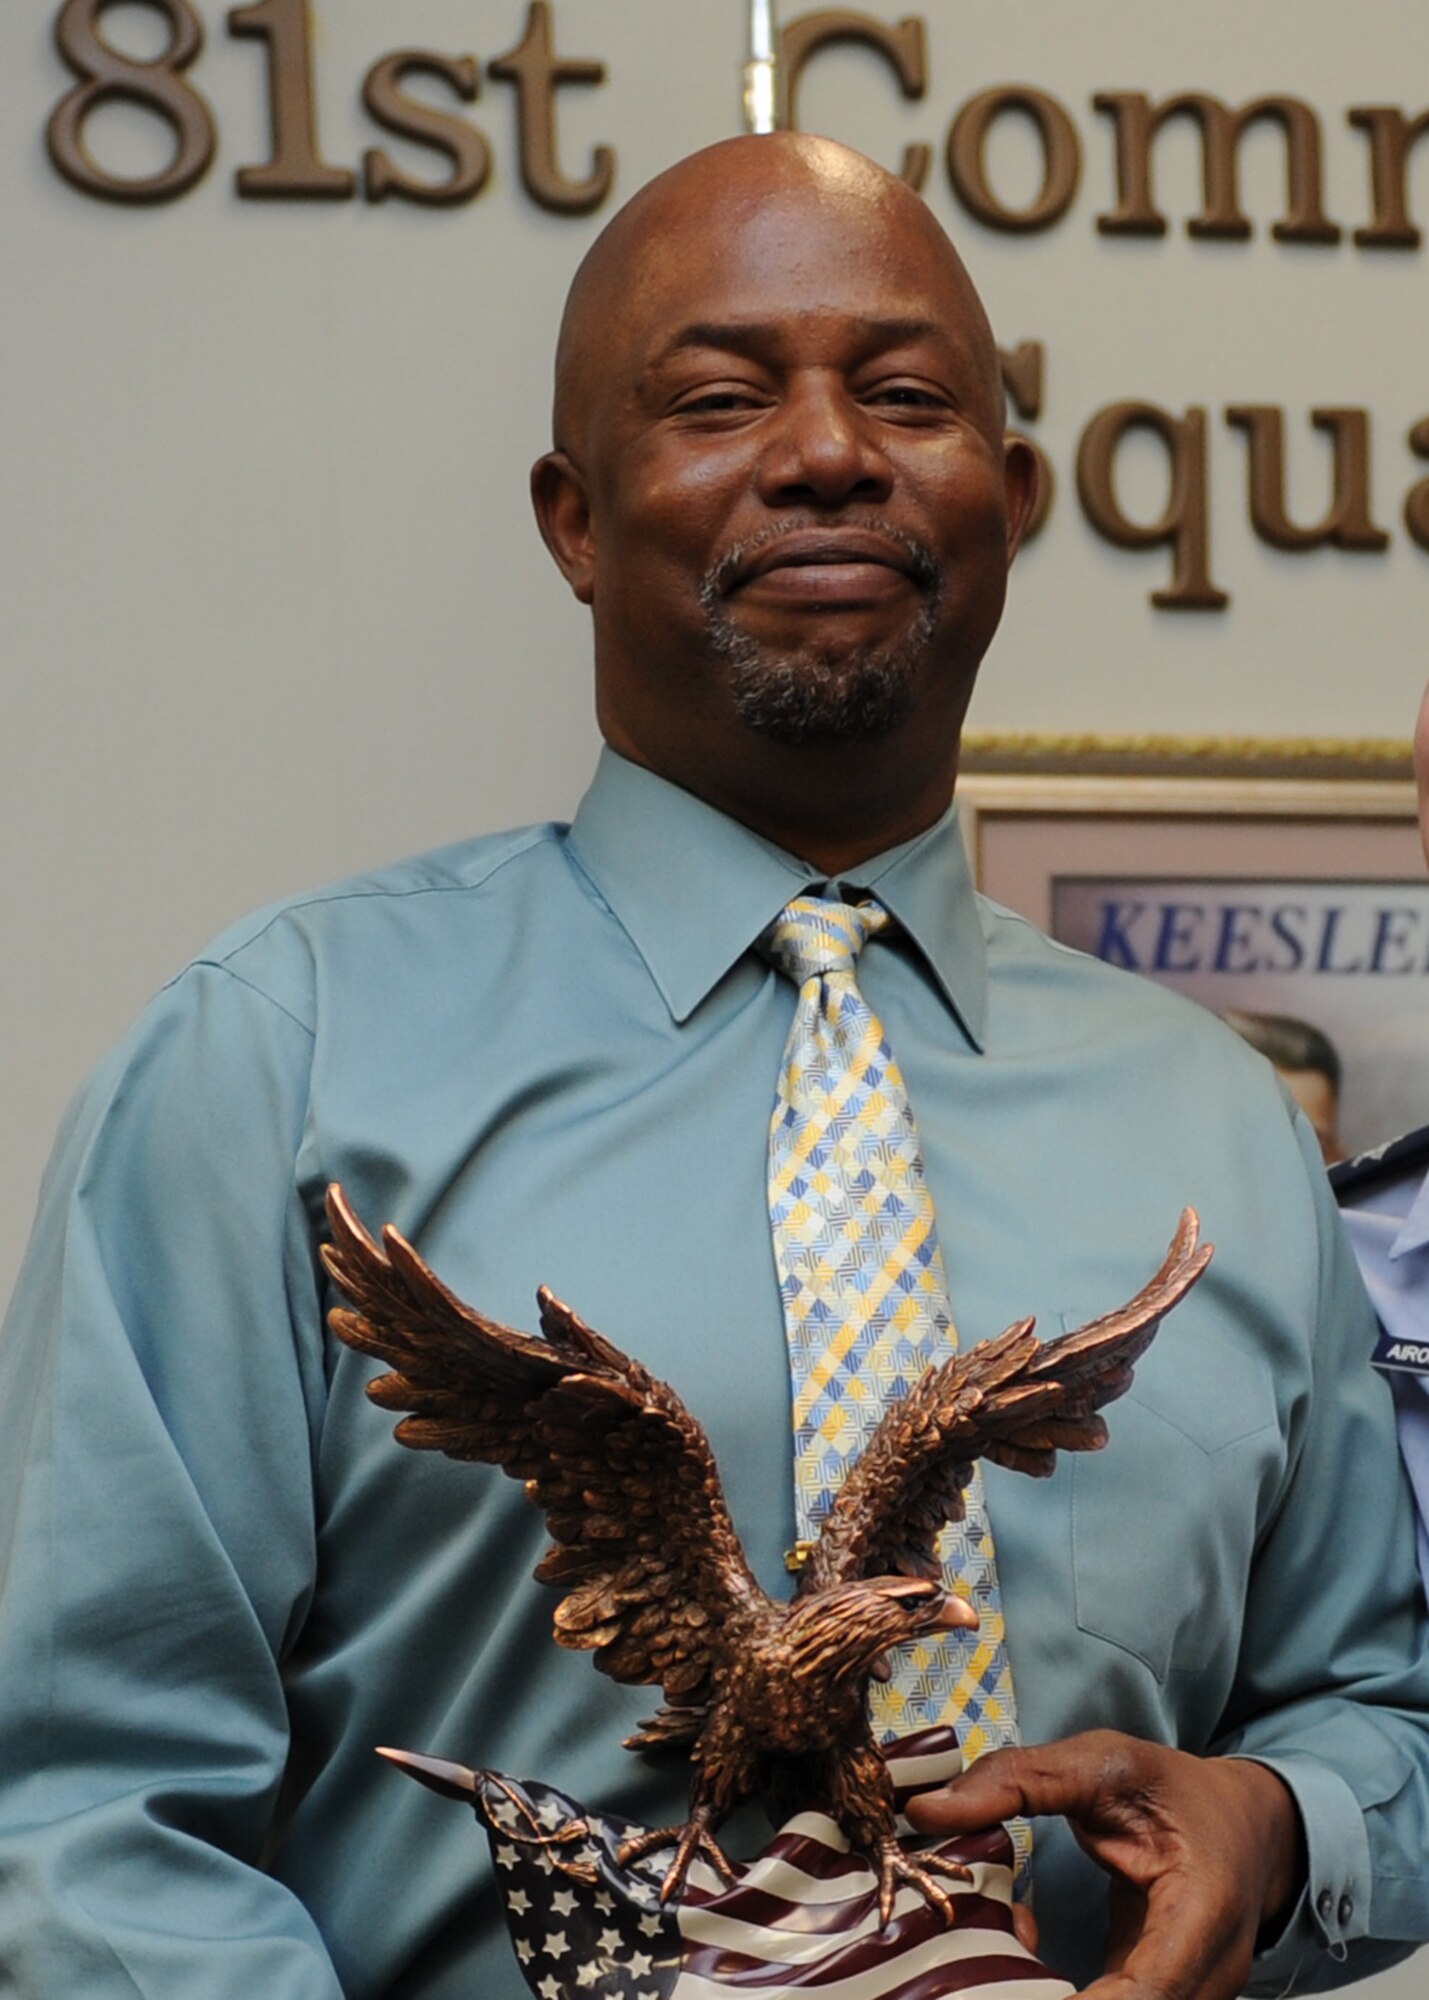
556, 1945
518, 1901
550, 1989
564, 1903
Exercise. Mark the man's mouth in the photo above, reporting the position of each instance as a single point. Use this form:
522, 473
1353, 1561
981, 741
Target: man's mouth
815, 565
822, 548
824, 568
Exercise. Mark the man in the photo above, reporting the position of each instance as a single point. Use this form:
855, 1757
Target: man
781, 485
1385, 1198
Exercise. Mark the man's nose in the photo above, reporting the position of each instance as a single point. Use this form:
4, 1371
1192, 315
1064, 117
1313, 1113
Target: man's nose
824, 449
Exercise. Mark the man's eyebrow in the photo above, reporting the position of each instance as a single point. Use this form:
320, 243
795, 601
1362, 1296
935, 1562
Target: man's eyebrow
741, 336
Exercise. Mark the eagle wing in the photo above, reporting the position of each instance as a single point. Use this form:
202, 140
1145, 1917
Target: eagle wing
1015, 1400
644, 1552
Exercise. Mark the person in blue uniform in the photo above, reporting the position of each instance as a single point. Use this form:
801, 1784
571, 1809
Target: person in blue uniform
781, 483
1384, 1196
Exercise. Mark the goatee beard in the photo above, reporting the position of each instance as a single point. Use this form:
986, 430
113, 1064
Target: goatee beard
821, 694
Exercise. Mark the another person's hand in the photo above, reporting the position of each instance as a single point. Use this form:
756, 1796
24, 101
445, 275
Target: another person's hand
1203, 1852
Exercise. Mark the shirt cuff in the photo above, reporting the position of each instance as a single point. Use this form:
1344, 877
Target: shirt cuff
1333, 1907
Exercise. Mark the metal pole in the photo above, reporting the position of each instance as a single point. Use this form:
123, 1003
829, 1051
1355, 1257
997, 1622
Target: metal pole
761, 109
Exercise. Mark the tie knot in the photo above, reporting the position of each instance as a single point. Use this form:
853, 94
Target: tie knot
811, 937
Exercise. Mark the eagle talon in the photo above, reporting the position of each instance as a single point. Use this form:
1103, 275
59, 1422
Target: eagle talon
895, 1867
690, 1840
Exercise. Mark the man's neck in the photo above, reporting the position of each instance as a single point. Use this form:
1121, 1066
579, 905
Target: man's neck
829, 808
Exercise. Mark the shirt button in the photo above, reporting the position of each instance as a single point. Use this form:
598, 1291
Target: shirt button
1324, 1906
1346, 1910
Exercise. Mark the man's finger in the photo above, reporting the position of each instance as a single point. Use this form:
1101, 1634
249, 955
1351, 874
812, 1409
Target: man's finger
1071, 1778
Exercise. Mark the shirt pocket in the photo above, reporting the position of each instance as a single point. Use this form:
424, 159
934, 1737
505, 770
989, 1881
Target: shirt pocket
1164, 1520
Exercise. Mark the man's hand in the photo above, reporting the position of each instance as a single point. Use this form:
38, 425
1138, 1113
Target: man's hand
1203, 1852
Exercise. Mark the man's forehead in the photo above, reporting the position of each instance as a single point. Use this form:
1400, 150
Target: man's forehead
748, 239
791, 268
791, 230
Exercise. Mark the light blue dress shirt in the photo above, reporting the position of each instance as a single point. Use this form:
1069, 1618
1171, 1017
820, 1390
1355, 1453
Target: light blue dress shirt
550, 1056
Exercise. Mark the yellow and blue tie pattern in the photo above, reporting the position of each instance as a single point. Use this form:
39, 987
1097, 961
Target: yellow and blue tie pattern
865, 1294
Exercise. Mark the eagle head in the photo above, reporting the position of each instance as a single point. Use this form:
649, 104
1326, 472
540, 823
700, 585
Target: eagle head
842, 1633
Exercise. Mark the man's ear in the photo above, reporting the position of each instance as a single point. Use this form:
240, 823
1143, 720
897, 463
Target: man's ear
558, 494
1021, 478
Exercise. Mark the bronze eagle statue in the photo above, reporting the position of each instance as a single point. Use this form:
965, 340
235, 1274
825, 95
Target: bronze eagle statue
764, 1694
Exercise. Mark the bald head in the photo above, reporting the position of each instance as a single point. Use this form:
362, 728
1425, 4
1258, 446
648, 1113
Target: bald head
700, 206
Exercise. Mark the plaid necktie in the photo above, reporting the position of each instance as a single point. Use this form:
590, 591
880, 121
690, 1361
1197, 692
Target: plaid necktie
865, 1294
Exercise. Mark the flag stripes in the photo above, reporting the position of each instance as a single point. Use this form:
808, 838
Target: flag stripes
801, 1918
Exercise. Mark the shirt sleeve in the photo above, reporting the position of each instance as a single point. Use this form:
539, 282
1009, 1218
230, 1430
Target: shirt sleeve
1411, 1410
160, 1396
1333, 1691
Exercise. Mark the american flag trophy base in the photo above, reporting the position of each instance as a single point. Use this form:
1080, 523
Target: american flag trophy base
802, 1917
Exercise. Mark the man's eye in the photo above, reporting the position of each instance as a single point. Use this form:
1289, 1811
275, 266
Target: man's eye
714, 402
908, 395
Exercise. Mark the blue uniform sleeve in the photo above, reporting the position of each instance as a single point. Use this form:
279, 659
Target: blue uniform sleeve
161, 1384
1334, 1683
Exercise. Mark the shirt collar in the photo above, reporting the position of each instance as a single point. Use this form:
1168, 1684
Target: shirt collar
693, 888
1414, 1232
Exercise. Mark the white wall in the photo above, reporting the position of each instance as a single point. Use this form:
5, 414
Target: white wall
271, 602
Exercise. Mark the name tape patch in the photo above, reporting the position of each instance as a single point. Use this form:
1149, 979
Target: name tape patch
1410, 1357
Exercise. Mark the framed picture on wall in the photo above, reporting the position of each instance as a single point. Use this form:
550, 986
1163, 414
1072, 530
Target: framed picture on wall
1285, 883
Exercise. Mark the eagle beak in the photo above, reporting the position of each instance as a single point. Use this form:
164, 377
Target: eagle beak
957, 1613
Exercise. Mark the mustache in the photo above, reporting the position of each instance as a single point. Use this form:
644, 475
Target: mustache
718, 578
